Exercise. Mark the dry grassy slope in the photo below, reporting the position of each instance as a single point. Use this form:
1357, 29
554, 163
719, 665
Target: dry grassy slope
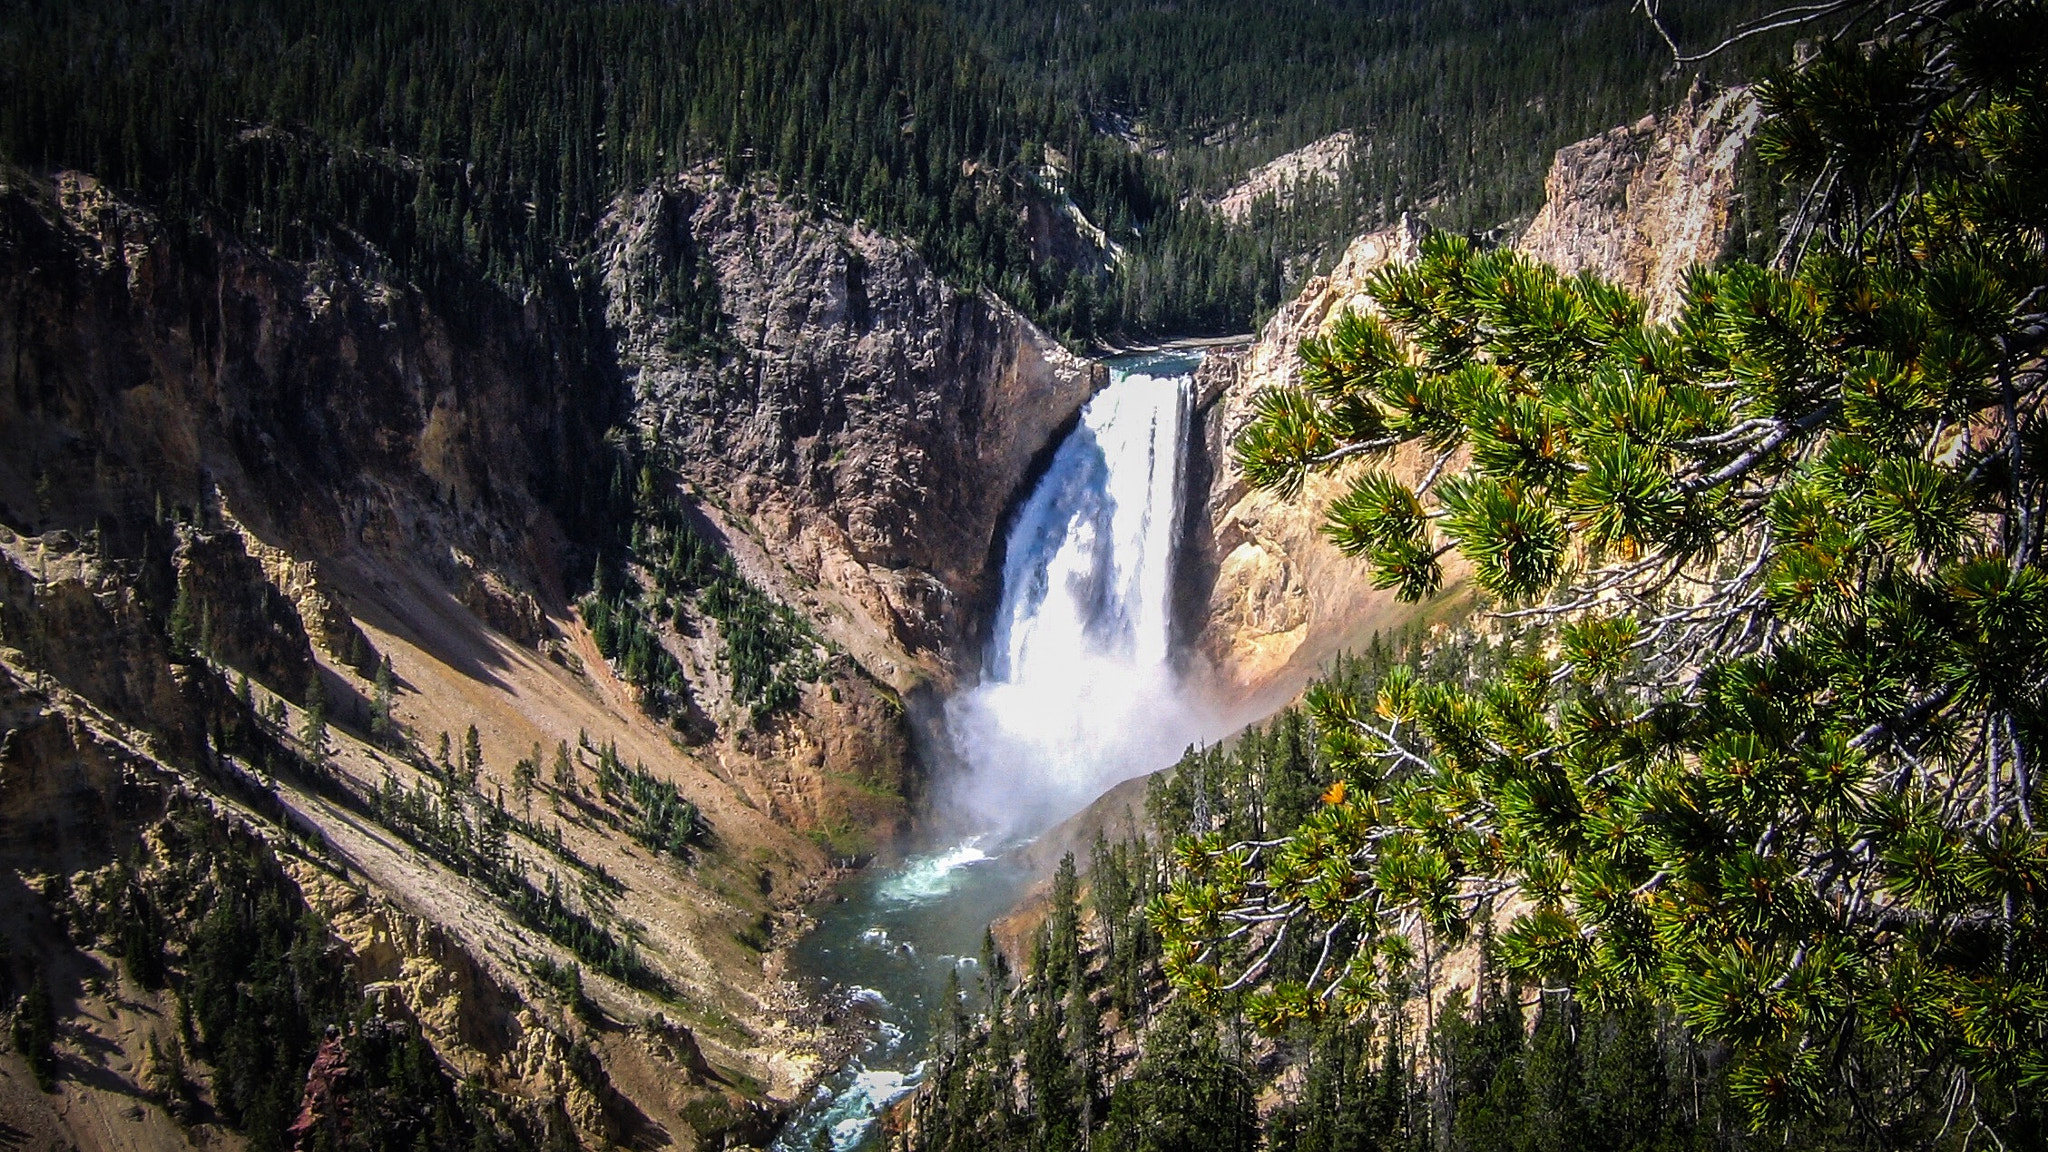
78, 788
425, 945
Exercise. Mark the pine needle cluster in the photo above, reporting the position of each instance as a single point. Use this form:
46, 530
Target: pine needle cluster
1781, 769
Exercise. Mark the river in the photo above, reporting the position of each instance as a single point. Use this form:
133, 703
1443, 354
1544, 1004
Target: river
1080, 689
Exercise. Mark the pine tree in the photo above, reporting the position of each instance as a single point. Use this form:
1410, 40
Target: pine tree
525, 775
35, 1033
995, 971
1782, 774
184, 619
382, 724
564, 768
313, 732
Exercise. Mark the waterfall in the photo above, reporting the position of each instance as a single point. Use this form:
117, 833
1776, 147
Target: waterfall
1079, 687
1079, 690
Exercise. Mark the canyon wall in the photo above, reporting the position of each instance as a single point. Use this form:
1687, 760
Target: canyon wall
243, 494
1280, 599
1639, 205
1642, 204
866, 425
246, 497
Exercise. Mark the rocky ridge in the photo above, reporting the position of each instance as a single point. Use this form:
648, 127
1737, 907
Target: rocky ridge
1639, 205
1284, 177
863, 423
226, 465
1643, 203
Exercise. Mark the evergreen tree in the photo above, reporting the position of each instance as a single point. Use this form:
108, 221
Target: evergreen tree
525, 775
313, 733
1188, 1094
564, 768
382, 726
1782, 775
392, 131
35, 1033
183, 623
995, 971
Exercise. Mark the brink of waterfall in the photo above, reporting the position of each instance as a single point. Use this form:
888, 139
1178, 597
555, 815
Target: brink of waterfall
1079, 687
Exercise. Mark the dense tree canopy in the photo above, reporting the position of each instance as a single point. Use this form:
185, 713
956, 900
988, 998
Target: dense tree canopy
472, 144
1780, 768
484, 137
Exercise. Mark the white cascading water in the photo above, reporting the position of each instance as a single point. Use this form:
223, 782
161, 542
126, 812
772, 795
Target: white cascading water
1080, 690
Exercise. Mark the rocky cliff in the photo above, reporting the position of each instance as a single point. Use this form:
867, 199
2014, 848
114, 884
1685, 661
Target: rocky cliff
1280, 598
1643, 203
1285, 178
1638, 205
864, 424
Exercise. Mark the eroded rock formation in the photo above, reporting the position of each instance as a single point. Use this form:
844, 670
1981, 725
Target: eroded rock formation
866, 424
373, 502
1639, 205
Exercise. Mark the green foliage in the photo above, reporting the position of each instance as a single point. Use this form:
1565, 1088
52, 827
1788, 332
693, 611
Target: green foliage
1189, 1093
261, 985
1047, 1034
470, 836
1461, 107
1044, 1066
258, 976
1784, 780
563, 771
140, 942
421, 128
567, 981
765, 647
183, 623
384, 727
657, 815
472, 757
525, 777
313, 731
626, 638
34, 1033
419, 131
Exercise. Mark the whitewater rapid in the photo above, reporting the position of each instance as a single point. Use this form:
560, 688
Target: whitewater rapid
1080, 688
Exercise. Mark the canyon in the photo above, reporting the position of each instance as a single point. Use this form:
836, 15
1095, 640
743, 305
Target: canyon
360, 503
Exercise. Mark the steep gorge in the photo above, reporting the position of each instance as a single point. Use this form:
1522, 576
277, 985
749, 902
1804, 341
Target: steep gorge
243, 493
329, 470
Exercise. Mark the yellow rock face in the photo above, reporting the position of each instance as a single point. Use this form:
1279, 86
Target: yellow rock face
1639, 205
